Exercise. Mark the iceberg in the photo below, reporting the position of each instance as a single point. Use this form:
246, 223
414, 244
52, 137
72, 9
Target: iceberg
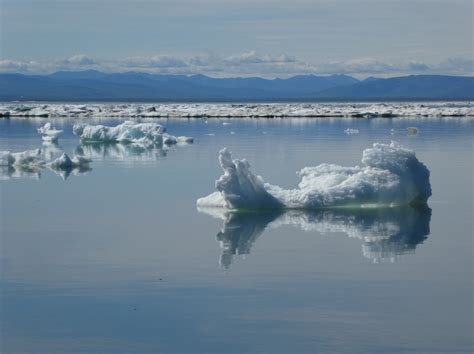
49, 133
64, 165
29, 159
386, 234
29, 163
64, 162
127, 132
391, 175
146, 134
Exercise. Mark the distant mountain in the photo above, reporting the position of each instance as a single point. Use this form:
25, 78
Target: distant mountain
407, 87
93, 85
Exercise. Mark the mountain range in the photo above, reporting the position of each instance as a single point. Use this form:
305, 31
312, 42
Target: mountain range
93, 85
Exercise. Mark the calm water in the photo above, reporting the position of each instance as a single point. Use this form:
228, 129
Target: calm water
118, 260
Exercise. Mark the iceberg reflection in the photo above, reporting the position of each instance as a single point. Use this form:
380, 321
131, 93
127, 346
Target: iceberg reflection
386, 234
8, 172
117, 151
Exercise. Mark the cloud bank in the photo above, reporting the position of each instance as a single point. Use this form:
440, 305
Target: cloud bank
244, 64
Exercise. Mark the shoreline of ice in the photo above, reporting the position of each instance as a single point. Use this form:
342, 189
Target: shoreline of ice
235, 110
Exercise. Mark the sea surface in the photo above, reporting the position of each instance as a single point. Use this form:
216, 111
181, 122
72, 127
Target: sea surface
118, 259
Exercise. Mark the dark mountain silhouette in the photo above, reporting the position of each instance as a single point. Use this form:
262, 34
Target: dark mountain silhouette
93, 85
435, 87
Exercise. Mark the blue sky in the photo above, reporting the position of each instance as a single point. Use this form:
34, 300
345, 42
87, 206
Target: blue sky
238, 37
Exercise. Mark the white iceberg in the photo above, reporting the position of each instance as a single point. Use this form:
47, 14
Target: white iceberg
26, 159
30, 163
64, 165
64, 162
390, 176
128, 133
49, 133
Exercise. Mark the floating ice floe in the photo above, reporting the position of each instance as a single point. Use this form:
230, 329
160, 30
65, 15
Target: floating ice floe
351, 131
29, 159
49, 133
412, 131
127, 133
64, 165
227, 110
64, 162
386, 234
390, 176
30, 163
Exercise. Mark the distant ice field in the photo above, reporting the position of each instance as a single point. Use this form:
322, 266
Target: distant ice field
232, 110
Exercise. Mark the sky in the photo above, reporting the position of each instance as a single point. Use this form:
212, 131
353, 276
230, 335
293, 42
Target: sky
268, 38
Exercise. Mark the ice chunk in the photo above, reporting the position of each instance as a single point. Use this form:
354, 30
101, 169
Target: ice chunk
239, 188
185, 139
21, 164
49, 133
26, 159
30, 163
64, 165
6, 159
127, 132
64, 162
351, 131
145, 134
391, 176
412, 131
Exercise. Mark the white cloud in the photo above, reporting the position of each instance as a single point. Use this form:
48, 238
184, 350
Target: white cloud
249, 63
79, 60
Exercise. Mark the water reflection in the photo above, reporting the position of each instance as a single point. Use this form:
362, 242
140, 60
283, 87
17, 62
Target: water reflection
386, 234
124, 152
8, 172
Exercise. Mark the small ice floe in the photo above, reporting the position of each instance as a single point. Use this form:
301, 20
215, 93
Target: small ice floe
351, 131
232, 133
210, 134
64, 162
412, 131
127, 133
29, 159
31, 162
49, 133
185, 139
226, 123
64, 165
393, 131
390, 176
